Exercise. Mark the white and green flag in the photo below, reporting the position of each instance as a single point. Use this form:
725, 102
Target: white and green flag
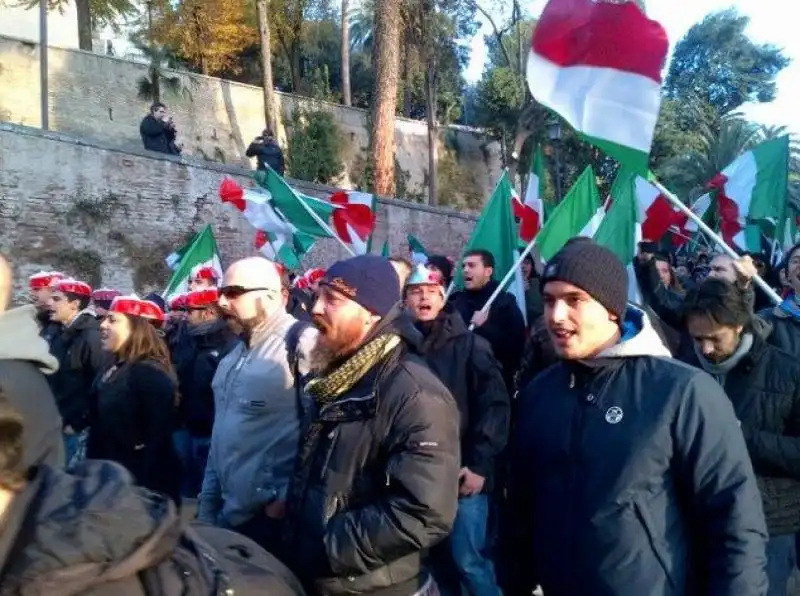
200, 252
417, 252
579, 214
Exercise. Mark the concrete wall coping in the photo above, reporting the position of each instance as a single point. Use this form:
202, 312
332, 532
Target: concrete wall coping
300, 98
61, 137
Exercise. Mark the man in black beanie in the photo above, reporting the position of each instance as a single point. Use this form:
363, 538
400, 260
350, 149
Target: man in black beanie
377, 480
630, 474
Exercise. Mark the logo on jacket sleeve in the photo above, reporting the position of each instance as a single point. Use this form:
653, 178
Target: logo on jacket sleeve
614, 415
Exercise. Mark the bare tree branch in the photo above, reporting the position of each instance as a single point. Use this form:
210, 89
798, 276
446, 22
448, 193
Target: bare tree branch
497, 33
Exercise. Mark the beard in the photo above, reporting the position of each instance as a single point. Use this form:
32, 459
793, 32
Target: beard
335, 343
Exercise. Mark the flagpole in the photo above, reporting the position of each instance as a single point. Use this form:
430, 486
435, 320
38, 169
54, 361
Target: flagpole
507, 278
321, 222
676, 202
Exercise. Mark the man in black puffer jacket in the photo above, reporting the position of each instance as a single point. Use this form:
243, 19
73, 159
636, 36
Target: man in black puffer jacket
212, 340
464, 362
503, 326
377, 481
763, 383
80, 358
629, 472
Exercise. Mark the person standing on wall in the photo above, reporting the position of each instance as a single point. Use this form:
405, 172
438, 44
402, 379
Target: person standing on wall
158, 131
267, 152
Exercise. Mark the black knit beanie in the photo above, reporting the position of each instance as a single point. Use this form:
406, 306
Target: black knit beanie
594, 269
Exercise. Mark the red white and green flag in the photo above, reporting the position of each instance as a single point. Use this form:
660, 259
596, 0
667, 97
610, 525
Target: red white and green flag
530, 210
598, 64
354, 220
684, 228
656, 214
579, 214
753, 189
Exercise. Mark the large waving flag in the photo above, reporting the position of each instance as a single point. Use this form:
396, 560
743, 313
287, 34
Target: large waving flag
285, 250
685, 228
530, 211
496, 232
656, 214
598, 64
753, 189
201, 251
354, 220
579, 214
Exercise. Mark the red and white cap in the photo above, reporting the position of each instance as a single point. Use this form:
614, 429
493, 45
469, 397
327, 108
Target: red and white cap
72, 286
136, 307
178, 302
205, 272
44, 279
202, 298
300, 282
105, 294
314, 275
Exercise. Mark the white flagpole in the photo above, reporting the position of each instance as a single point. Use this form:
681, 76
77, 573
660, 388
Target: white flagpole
715, 237
504, 282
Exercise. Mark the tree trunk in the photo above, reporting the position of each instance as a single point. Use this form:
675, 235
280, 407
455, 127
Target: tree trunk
345, 56
430, 112
84, 11
204, 64
294, 60
408, 73
262, 8
387, 66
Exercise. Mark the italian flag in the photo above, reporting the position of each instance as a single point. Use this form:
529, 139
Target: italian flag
656, 213
685, 228
282, 249
751, 190
354, 220
530, 211
621, 230
200, 252
598, 64
496, 232
579, 214
416, 251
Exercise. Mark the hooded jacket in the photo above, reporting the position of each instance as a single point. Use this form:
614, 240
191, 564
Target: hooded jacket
630, 476
464, 362
25, 359
80, 360
380, 486
785, 330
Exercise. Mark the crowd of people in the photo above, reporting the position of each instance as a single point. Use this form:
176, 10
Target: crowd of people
358, 431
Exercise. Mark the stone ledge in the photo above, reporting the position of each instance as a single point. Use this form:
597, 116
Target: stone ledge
308, 187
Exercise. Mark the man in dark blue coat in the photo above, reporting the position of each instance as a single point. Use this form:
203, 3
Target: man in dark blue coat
630, 474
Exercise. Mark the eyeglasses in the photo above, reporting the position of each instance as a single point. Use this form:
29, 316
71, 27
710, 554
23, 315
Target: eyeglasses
234, 292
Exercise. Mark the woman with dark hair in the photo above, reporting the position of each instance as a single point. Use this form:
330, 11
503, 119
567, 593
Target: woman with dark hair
135, 400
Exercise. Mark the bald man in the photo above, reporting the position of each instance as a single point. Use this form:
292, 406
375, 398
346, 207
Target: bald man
259, 406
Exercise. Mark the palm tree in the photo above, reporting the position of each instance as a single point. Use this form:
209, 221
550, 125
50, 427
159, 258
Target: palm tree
158, 83
345, 53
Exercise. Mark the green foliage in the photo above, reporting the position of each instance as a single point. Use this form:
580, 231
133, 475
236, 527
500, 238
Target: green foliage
512, 50
93, 212
717, 62
458, 186
315, 147
86, 265
500, 97
103, 13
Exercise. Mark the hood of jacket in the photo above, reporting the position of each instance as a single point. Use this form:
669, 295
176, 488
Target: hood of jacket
20, 340
639, 338
398, 321
68, 532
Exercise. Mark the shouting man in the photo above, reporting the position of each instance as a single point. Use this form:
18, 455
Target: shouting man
630, 474
377, 481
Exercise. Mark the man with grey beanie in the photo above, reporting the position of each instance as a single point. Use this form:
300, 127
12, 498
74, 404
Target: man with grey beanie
630, 474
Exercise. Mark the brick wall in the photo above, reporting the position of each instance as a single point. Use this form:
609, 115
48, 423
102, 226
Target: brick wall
112, 216
92, 95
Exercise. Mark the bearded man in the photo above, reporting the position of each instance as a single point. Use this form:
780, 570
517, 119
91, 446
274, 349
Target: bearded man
258, 407
377, 481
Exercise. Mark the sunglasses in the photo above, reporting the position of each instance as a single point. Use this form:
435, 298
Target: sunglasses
234, 292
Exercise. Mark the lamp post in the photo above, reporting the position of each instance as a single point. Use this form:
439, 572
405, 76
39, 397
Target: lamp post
554, 134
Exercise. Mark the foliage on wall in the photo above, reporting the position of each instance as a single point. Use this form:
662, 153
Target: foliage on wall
315, 147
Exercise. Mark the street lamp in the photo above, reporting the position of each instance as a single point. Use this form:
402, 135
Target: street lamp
554, 134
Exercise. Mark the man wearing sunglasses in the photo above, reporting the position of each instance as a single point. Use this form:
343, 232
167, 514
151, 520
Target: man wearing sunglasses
258, 407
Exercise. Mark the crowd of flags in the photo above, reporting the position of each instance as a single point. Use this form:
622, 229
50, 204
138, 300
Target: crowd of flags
598, 66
